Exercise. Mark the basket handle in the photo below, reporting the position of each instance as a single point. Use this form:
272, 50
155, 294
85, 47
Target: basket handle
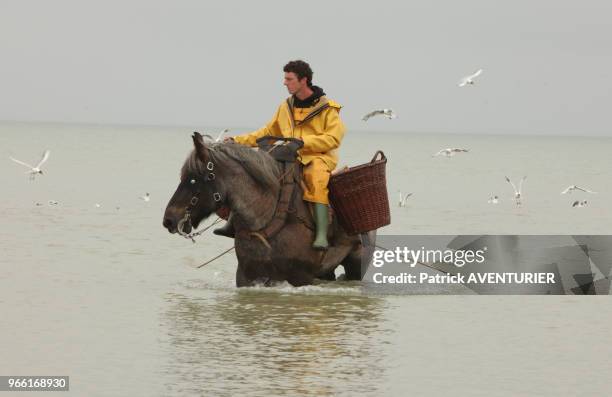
382, 156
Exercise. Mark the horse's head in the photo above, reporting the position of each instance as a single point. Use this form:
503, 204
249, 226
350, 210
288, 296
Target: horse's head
198, 195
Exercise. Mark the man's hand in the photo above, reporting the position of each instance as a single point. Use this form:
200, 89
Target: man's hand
295, 146
228, 139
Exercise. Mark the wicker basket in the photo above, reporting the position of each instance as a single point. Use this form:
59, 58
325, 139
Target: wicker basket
359, 196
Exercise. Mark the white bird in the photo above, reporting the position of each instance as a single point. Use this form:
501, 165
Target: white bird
517, 192
402, 198
493, 200
388, 113
53, 202
579, 203
574, 187
218, 138
34, 170
469, 79
97, 205
146, 197
449, 152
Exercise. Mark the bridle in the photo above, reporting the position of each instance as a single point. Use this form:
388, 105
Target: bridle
210, 177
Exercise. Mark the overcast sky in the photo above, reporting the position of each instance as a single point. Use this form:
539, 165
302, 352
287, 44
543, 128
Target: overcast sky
547, 64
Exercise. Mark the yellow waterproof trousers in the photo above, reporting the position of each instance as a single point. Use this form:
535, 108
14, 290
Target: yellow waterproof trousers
316, 178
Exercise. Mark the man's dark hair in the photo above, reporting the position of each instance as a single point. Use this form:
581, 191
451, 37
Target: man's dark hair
301, 70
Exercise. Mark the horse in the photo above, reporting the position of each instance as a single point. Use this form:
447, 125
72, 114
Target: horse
248, 182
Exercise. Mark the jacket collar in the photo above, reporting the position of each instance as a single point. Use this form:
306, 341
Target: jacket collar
321, 105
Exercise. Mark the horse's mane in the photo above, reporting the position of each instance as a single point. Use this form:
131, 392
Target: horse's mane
259, 165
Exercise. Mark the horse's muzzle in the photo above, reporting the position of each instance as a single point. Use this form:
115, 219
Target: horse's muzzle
173, 223
170, 224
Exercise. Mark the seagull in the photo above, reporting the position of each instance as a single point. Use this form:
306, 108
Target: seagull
579, 203
449, 152
218, 138
146, 197
493, 200
53, 202
34, 170
469, 79
97, 205
388, 113
574, 187
402, 198
517, 193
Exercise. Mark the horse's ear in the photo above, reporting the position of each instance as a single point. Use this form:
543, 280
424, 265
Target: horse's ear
200, 148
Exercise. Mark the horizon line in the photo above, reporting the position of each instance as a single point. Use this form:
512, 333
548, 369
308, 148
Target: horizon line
415, 132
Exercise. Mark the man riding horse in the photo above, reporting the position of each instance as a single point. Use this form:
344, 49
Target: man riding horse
312, 118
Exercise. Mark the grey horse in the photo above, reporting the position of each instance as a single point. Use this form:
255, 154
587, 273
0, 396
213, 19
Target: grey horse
248, 182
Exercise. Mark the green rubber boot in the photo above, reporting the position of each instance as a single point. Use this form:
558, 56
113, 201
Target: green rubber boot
320, 216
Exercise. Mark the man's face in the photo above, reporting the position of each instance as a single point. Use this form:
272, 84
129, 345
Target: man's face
293, 84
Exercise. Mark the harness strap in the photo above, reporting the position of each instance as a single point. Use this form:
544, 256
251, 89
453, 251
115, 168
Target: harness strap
284, 202
305, 215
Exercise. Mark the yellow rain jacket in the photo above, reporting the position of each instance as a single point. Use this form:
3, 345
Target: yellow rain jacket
318, 126
321, 129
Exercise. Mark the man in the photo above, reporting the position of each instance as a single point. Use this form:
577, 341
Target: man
307, 115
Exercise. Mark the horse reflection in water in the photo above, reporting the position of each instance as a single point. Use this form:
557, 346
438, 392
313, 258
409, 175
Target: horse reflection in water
248, 182
263, 343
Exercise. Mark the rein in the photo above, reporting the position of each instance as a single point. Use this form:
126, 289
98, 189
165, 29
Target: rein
191, 236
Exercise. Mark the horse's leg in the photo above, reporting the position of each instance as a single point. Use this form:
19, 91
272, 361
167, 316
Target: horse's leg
329, 276
352, 265
299, 278
360, 254
241, 279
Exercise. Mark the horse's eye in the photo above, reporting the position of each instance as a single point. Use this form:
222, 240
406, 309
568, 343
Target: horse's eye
193, 181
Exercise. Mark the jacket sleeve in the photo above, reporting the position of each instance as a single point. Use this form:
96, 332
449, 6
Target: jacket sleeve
330, 138
272, 128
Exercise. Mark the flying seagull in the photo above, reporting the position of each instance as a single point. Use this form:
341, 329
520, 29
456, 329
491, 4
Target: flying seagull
574, 187
388, 113
449, 152
469, 79
517, 192
579, 203
493, 200
34, 170
146, 197
402, 198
